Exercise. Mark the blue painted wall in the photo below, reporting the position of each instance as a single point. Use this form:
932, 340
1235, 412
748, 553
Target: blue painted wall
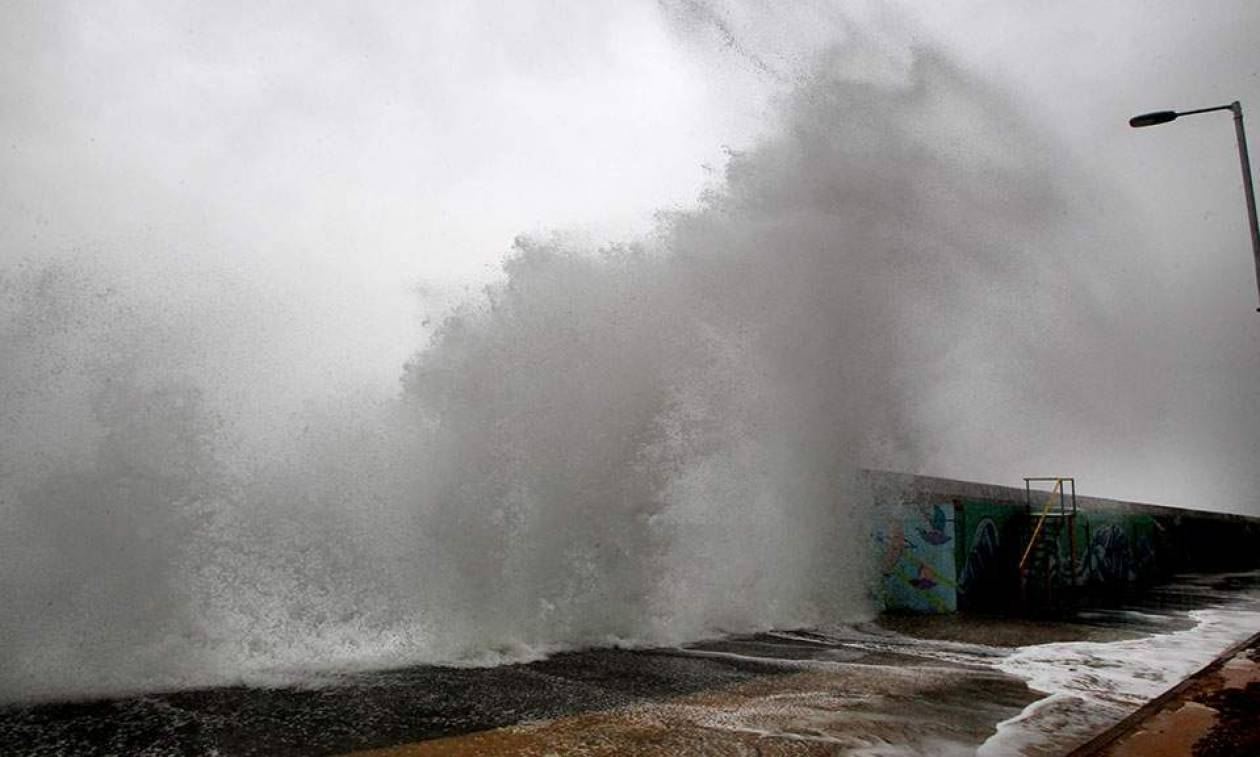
917, 559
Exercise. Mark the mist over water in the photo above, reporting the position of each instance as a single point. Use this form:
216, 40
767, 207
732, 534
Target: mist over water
643, 444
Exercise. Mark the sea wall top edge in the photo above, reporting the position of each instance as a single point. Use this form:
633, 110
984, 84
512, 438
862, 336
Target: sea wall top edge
914, 487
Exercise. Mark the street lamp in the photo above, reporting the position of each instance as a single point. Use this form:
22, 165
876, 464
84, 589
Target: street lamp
1164, 116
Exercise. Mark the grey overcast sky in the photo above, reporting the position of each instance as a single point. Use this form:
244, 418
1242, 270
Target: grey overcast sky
359, 167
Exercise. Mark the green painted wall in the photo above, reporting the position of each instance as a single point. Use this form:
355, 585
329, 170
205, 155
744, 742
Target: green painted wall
990, 538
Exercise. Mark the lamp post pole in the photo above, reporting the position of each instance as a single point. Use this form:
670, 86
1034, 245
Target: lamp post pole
1164, 116
1248, 189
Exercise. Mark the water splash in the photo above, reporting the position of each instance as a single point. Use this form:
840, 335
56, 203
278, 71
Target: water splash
645, 444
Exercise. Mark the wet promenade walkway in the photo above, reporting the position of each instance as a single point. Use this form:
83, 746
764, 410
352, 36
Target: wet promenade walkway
948, 685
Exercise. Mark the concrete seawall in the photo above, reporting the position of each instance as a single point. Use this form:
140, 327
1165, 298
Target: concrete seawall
949, 545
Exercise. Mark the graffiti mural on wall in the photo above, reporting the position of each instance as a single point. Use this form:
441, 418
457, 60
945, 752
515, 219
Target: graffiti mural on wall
1111, 549
965, 554
982, 557
990, 533
1116, 549
1108, 557
918, 560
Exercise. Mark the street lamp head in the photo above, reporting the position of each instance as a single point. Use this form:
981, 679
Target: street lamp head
1253, 217
1152, 119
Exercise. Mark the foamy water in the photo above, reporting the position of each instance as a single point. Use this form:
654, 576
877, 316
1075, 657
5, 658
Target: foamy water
1091, 685
1083, 687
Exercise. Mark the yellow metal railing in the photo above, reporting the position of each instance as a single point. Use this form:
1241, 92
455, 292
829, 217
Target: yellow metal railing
1045, 512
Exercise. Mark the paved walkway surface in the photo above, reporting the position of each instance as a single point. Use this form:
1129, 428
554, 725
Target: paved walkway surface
904, 685
1214, 713
768, 694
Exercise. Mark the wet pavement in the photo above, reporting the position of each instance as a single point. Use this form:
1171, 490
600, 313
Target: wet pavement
903, 685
